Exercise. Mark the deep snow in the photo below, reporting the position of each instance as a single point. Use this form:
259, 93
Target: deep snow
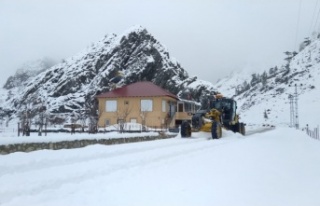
277, 167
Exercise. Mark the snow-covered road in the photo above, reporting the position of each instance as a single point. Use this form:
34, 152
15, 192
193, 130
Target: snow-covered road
258, 130
278, 167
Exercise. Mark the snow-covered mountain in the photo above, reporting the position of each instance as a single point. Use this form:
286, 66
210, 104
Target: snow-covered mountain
71, 85
27, 71
269, 91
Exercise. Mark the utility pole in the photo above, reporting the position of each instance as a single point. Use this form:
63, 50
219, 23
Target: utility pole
296, 108
294, 115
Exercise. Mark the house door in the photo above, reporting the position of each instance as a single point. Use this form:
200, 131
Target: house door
180, 107
172, 109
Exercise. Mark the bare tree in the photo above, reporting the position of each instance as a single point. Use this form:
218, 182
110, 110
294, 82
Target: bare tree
25, 117
83, 115
31, 103
143, 115
265, 115
121, 116
93, 114
42, 118
55, 119
74, 117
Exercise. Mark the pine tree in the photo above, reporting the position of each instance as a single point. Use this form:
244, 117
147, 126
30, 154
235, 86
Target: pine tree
264, 78
255, 79
246, 86
271, 71
265, 115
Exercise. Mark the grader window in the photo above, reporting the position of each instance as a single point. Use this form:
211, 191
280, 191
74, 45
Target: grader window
227, 105
217, 105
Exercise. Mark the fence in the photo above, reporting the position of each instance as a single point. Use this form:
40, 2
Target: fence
313, 133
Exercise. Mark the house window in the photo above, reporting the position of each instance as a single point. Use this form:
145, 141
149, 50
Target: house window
133, 120
111, 105
146, 105
107, 121
164, 103
188, 107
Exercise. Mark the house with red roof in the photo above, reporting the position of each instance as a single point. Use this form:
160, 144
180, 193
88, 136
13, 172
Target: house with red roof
141, 102
144, 103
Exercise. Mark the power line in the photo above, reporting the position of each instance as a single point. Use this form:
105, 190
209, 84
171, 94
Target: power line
317, 18
313, 17
298, 21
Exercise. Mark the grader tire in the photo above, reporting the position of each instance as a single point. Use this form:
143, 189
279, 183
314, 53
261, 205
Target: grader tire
185, 129
216, 130
242, 129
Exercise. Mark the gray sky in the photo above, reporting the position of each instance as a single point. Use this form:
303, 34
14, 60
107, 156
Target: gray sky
210, 38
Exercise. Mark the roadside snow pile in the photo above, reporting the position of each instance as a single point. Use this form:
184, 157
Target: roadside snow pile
10, 136
59, 137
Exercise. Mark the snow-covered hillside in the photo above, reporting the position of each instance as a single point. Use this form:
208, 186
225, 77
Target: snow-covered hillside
269, 91
277, 168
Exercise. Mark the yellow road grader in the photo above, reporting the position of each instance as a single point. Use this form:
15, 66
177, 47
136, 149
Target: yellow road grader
216, 112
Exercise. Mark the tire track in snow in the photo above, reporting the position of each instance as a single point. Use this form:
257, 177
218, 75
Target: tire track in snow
45, 163
35, 165
89, 166
93, 171
259, 130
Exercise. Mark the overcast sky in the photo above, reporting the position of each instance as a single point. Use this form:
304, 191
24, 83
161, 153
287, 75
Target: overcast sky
210, 38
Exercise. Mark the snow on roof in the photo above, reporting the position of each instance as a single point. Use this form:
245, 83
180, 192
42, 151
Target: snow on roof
138, 89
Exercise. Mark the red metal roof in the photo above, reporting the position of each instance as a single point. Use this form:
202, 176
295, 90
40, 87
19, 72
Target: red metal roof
138, 89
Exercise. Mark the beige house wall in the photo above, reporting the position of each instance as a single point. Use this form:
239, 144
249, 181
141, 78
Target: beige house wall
183, 116
130, 109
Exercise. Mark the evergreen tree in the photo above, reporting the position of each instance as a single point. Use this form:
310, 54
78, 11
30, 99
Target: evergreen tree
246, 86
264, 78
265, 115
271, 71
238, 90
307, 41
289, 56
255, 79
294, 53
